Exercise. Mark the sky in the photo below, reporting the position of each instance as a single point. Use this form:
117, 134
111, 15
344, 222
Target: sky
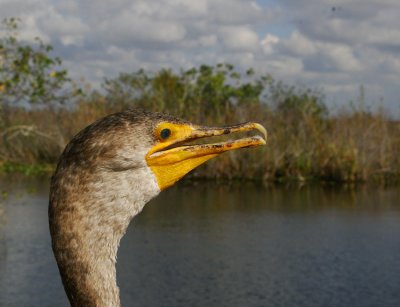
334, 46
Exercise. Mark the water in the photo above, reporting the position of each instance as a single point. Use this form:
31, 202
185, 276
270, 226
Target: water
218, 245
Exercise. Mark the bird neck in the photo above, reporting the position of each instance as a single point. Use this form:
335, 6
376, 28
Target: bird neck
87, 223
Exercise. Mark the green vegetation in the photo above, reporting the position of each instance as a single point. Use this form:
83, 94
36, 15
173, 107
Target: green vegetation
28, 74
305, 141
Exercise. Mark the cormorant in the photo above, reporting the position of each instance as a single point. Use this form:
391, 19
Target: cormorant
105, 176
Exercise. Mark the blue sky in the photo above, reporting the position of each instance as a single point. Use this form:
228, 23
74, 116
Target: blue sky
336, 46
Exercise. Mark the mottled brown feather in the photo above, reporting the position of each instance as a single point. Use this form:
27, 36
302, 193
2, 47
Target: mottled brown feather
100, 183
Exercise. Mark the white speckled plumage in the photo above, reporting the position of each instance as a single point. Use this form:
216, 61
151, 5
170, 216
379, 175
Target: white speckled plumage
119, 197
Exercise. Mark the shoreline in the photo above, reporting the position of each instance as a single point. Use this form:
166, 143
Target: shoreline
46, 170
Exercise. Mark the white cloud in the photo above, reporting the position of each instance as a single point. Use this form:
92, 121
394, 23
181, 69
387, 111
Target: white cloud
334, 45
298, 45
342, 57
268, 43
234, 12
128, 29
239, 38
70, 30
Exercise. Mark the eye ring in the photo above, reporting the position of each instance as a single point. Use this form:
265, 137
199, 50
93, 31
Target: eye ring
165, 133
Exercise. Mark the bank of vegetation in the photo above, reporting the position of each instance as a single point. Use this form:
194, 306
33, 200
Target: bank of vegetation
41, 109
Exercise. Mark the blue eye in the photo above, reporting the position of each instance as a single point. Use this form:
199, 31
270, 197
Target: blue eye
165, 133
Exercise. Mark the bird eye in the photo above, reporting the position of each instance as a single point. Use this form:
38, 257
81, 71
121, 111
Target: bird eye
165, 133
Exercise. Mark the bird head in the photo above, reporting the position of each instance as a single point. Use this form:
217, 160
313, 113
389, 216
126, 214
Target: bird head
136, 139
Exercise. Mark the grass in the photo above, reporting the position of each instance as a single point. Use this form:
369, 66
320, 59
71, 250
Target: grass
348, 147
26, 169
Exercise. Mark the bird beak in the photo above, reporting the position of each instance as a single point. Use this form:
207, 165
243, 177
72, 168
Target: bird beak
170, 159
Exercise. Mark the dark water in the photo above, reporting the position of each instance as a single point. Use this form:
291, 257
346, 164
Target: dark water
213, 245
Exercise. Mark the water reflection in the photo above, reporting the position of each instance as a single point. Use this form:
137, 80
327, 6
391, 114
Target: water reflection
223, 245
